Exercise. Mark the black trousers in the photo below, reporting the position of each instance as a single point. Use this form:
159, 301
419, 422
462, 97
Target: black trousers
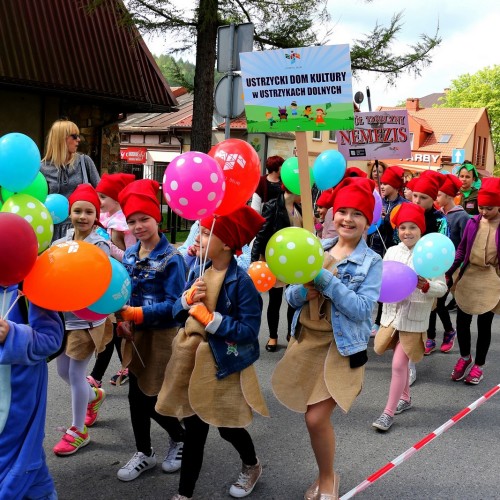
194, 444
273, 312
142, 410
104, 357
444, 316
484, 322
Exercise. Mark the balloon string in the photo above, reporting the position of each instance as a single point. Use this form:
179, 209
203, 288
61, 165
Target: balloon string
138, 355
382, 240
208, 246
3, 301
20, 294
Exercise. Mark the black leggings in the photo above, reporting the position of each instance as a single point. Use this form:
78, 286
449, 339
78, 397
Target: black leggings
142, 410
444, 316
104, 357
194, 444
484, 322
273, 312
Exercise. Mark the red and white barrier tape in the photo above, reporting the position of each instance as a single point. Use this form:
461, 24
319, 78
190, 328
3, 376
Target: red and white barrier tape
426, 440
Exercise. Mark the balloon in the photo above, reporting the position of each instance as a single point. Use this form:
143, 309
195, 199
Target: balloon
193, 185
36, 214
88, 315
329, 169
38, 189
261, 275
433, 255
398, 281
458, 199
290, 175
19, 161
68, 276
374, 227
240, 164
294, 255
117, 293
394, 211
18, 249
58, 207
377, 209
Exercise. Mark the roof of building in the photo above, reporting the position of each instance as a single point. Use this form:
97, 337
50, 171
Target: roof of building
59, 46
432, 99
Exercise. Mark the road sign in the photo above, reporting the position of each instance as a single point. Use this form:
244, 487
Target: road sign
458, 155
243, 42
221, 97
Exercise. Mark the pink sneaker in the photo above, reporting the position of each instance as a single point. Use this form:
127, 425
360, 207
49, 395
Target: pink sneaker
460, 369
430, 346
448, 341
93, 407
72, 441
475, 375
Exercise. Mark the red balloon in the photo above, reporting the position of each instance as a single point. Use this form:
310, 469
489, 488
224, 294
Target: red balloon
18, 248
88, 315
241, 166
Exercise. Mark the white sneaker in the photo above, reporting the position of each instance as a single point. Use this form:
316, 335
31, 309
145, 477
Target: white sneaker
173, 459
136, 466
247, 480
413, 374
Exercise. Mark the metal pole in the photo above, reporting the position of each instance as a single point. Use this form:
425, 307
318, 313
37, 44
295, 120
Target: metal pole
227, 131
370, 110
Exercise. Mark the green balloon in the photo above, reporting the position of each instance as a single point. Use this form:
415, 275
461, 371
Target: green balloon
38, 189
35, 212
290, 175
294, 255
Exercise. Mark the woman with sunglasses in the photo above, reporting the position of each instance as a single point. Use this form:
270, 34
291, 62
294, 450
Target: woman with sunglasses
63, 168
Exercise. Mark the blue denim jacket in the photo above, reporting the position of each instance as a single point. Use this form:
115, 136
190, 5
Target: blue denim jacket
353, 292
157, 282
234, 341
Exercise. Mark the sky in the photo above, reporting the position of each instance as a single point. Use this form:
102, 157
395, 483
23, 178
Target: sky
469, 32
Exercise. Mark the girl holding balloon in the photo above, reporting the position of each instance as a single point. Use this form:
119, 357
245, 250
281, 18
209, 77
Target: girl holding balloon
404, 323
84, 338
324, 363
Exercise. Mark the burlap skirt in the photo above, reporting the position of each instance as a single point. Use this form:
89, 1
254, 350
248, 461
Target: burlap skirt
413, 343
313, 370
478, 290
190, 386
155, 349
82, 343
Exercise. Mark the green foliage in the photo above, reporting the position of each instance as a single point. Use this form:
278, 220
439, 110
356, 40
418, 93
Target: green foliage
482, 89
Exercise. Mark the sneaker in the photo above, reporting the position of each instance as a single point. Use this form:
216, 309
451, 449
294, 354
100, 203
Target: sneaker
173, 459
93, 382
116, 380
475, 375
93, 407
413, 375
448, 341
384, 422
136, 466
247, 480
402, 406
374, 331
460, 369
177, 496
430, 346
72, 441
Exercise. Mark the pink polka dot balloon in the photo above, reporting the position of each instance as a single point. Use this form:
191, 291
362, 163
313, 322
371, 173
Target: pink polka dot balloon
194, 185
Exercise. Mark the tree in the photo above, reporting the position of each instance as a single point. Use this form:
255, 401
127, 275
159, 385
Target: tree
278, 24
480, 90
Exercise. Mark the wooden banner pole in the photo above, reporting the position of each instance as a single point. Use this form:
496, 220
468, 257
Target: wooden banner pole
306, 201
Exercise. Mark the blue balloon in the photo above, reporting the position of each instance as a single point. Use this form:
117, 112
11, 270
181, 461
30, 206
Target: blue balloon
19, 161
433, 255
374, 227
58, 206
329, 169
118, 292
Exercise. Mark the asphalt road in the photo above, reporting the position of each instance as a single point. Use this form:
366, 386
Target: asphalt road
461, 463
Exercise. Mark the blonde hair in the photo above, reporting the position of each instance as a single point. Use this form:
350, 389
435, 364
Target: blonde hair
56, 147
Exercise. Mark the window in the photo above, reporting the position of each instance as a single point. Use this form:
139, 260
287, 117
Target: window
316, 135
331, 136
165, 139
445, 138
125, 138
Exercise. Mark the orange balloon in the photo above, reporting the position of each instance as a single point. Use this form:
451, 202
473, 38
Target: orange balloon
458, 199
261, 275
68, 277
394, 211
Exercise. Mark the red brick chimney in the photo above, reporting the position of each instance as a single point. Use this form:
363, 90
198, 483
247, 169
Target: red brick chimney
412, 104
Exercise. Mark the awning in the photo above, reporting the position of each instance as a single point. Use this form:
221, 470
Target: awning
161, 156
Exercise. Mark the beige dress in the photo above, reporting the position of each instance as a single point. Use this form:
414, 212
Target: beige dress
413, 343
312, 369
82, 343
478, 290
190, 385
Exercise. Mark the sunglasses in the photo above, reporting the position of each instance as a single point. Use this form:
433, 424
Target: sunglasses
74, 136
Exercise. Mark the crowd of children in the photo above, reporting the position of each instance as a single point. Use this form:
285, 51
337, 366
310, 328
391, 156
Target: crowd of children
188, 338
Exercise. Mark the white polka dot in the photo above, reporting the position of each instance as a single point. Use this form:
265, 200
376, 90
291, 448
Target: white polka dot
419, 260
214, 177
167, 197
180, 162
31, 205
311, 259
174, 185
15, 209
197, 186
43, 215
429, 255
282, 259
269, 278
320, 252
299, 274
40, 229
197, 159
271, 252
28, 218
310, 241
211, 196
257, 266
279, 238
281, 277
224, 186
183, 201
313, 274
290, 245
203, 211
444, 251
429, 243
259, 282
178, 211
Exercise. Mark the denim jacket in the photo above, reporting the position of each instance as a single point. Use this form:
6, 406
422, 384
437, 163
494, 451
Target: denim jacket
233, 334
353, 292
157, 282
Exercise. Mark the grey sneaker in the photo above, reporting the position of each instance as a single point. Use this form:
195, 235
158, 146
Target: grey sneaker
177, 496
413, 375
402, 406
173, 459
384, 422
136, 466
247, 480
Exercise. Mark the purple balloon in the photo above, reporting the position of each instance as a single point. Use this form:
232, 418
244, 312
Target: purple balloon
398, 281
377, 210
